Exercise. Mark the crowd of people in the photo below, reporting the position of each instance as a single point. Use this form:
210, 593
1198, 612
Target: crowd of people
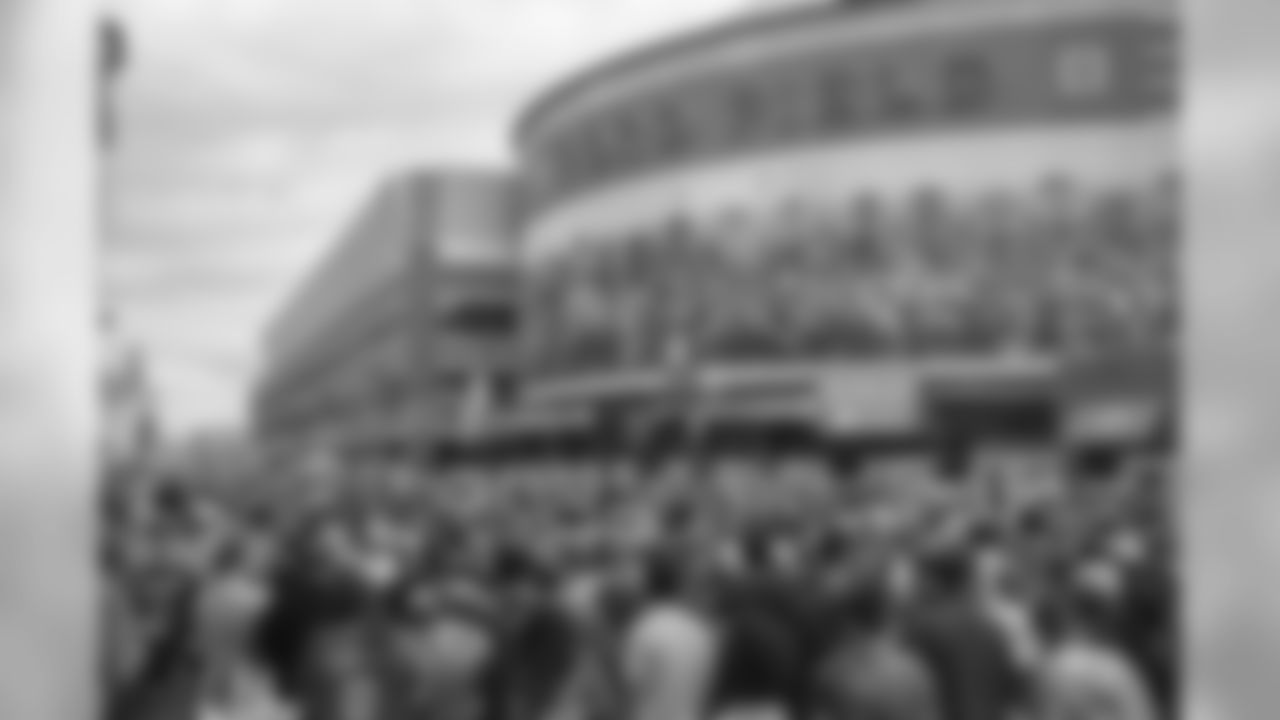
735, 591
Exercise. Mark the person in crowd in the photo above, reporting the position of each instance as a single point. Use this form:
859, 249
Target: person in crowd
169, 683
871, 671
759, 659
125, 632
976, 672
1004, 596
594, 688
537, 642
1086, 675
232, 599
547, 594
442, 645
1147, 626
670, 651
772, 618
311, 635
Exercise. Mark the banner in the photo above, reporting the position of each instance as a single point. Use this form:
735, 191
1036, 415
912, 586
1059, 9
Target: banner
871, 400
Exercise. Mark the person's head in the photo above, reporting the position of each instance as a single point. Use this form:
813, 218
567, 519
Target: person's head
756, 550
831, 548
1075, 617
521, 576
902, 576
866, 607
665, 577
232, 556
948, 573
1099, 578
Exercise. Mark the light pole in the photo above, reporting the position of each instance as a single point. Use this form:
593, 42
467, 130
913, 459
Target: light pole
113, 58
682, 346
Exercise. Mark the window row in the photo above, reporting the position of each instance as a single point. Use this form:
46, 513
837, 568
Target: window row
1100, 235
1090, 70
1109, 275
1110, 325
1057, 218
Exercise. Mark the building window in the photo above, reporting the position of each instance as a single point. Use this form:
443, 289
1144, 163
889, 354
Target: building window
569, 164
659, 140
1084, 72
703, 114
640, 130
903, 92
672, 137
789, 113
838, 100
748, 110
1120, 226
484, 319
607, 150
930, 233
1152, 60
587, 160
582, 155
562, 160
1161, 215
866, 252
624, 141
968, 85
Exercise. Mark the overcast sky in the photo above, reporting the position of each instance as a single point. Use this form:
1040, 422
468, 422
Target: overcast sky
252, 129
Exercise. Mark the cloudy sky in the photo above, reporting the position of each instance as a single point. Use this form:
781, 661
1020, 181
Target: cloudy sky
253, 128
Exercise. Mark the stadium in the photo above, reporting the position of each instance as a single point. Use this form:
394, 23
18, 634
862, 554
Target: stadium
864, 226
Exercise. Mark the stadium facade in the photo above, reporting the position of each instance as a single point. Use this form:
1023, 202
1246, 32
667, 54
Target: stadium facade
863, 225
896, 221
403, 331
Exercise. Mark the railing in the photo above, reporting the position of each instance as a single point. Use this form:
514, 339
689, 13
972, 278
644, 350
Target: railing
1100, 280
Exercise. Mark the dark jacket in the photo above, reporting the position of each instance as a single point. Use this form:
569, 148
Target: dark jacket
169, 685
536, 654
976, 674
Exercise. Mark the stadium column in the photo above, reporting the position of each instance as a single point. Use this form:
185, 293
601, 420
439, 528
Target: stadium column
47, 380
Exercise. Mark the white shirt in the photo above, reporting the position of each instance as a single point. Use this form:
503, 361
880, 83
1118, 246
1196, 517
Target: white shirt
670, 656
1089, 682
1014, 621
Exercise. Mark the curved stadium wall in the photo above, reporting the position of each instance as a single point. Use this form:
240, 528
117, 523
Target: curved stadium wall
906, 184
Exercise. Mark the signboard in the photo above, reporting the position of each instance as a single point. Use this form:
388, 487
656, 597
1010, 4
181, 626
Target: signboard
870, 401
